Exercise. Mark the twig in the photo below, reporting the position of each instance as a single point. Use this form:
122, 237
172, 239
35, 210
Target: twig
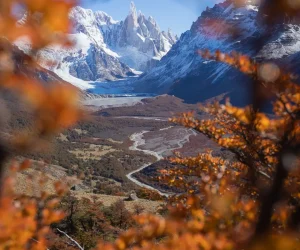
37, 242
265, 174
70, 238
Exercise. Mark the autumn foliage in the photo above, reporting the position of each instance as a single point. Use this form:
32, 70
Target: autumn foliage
248, 201
251, 201
25, 222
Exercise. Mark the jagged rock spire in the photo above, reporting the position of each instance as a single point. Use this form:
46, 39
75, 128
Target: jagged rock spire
133, 17
132, 8
173, 37
152, 20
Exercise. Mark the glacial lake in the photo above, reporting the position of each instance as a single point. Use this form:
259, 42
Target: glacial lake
123, 87
115, 94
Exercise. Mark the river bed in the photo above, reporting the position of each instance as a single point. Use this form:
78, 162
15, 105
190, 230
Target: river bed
168, 139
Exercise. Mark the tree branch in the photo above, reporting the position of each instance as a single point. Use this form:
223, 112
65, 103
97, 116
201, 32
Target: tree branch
70, 238
38, 242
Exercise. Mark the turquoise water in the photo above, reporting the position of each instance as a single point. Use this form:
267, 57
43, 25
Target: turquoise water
122, 88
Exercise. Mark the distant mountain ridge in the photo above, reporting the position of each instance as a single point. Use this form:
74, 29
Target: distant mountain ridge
105, 49
182, 72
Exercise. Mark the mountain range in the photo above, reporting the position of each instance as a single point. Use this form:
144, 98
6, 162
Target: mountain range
105, 49
228, 26
108, 50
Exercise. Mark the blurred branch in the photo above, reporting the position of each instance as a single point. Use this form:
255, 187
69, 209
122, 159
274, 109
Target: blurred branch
271, 197
4, 154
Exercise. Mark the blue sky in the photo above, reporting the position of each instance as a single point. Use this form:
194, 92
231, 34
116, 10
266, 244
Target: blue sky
176, 14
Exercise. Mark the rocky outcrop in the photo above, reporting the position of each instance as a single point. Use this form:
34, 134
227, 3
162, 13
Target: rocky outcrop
132, 196
97, 66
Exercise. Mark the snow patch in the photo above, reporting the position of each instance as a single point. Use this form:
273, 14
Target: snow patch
64, 73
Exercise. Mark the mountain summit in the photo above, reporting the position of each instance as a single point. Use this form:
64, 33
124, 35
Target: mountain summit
138, 40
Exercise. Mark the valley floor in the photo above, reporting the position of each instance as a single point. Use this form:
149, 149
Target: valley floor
113, 150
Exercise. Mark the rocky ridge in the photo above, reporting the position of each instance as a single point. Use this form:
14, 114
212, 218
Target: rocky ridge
228, 27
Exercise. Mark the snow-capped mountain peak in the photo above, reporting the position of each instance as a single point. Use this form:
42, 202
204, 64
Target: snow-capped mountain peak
132, 8
138, 40
104, 18
132, 17
85, 21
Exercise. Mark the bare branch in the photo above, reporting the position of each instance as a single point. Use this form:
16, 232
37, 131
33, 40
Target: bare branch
70, 238
265, 174
38, 242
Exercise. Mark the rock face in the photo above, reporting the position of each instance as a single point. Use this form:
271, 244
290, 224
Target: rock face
40, 74
105, 49
20, 64
184, 73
